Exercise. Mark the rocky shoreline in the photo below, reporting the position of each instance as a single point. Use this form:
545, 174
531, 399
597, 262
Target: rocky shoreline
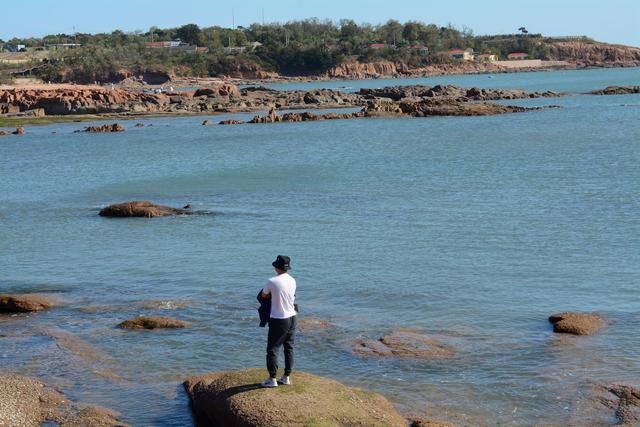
413, 101
416, 101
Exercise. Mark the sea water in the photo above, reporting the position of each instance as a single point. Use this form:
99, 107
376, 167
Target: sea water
470, 229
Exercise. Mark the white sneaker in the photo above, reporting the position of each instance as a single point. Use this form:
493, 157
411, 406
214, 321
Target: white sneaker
285, 380
270, 383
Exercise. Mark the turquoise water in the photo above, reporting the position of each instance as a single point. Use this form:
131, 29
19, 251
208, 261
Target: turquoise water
472, 229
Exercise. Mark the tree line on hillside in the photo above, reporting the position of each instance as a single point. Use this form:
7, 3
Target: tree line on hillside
303, 47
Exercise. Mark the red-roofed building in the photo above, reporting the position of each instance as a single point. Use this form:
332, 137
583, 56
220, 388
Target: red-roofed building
377, 45
518, 55
466, 55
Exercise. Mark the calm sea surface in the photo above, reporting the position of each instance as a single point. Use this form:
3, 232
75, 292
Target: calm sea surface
473, 229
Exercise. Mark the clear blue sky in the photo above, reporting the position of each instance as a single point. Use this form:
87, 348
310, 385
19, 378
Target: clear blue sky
615, 21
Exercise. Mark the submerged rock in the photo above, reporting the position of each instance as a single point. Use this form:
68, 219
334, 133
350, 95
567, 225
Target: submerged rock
28, 402
309, 324
404, 344
24, 303
153, 322
236, 399
144, 209
600, 404
576, 323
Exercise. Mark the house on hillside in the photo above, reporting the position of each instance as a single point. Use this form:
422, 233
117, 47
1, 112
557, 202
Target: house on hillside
254, 45
169, 44
176, 45
420, 48
465, 55
377, 45
10, 47
486, 57
518, 55
62, 46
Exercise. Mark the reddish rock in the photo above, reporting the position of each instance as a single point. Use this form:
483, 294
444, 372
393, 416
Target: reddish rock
143, 209
225, 89
576, 323
115, 127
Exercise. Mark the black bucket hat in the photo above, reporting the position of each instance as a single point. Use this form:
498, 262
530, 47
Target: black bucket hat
282, 262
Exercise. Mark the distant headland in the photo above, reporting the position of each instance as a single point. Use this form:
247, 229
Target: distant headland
308, 49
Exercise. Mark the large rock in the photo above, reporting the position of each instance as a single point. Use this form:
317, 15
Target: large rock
24, 303
576, 323
226, 89
235, 399
26, 402
616, 90
153, 322
115, 127
143, 209
404, 344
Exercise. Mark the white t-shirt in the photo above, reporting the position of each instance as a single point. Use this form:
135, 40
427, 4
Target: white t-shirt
283, 290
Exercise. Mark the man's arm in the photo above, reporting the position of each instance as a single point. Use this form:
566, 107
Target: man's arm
266, 291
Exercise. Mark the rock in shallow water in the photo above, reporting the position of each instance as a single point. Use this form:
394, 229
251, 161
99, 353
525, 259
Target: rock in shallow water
236, 399
142, 209
153, 322
116, 127
28, 402
576, 323
404, 344
24, 303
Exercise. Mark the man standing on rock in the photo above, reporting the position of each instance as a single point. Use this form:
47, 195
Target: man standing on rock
282, 321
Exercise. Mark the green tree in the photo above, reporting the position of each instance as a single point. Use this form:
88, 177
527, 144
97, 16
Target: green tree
189, 33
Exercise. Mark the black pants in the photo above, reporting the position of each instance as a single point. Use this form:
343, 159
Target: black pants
281, 333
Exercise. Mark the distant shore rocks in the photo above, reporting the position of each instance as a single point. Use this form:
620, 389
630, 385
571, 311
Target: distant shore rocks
225, 89
616, 90
115, 127
19, 131
28, 402
236, 399
153, 322
24, 303
576, 323
144, 209
404, 344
